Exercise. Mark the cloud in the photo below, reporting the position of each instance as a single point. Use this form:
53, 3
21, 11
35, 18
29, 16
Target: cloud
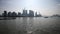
58, 4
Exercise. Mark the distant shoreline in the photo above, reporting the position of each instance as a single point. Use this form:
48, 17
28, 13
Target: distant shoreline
9, 18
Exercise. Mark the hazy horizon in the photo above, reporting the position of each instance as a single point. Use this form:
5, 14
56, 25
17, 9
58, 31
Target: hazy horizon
45, 7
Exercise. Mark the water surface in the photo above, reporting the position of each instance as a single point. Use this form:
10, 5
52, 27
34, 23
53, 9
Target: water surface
30, 25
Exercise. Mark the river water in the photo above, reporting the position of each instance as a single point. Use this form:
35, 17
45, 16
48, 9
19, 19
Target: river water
30, 25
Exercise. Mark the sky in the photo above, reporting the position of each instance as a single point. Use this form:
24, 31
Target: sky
44, 7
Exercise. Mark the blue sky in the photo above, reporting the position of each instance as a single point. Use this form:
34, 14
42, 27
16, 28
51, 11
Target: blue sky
45, 7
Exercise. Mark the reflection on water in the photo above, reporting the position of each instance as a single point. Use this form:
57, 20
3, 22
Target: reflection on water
7, 18
30, 25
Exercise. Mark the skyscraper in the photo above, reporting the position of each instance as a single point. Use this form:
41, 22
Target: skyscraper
14, 14
9, 14
24, 13
5, 14
31, 13
37, 15
19, 14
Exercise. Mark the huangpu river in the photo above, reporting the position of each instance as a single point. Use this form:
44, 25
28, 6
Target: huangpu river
30, 25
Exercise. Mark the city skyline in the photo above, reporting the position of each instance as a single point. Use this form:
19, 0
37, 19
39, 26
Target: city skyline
19, 14
45, 7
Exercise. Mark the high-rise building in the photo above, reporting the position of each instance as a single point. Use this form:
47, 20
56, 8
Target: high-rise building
14, 14
37, 15
9, 14
19, 14
5, 14
31, 13
24, 13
